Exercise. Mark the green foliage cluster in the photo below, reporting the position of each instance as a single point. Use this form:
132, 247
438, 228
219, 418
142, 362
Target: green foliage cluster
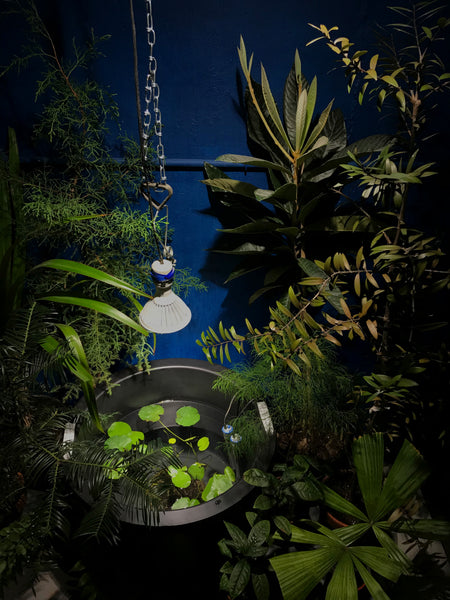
383, 282
83, 204
308, 557
20, 548
303, 154
319, 403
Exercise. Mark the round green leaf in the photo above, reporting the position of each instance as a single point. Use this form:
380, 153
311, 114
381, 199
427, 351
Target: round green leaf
180, 477
118, 428
203, 443
184, 503
119, 442
136, 437
187, 415
151, 412
197, 471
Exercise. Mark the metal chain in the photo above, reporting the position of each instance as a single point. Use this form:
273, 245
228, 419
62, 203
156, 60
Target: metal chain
152, 96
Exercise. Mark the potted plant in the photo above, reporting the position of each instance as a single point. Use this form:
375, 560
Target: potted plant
333, 558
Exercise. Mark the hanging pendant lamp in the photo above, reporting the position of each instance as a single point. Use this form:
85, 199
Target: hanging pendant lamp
166, 312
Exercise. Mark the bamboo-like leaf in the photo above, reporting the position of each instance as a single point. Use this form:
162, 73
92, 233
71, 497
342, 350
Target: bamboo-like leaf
81, 370
100, 307
78, 268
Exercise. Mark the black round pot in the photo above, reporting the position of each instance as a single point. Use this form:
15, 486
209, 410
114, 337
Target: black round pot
176, 382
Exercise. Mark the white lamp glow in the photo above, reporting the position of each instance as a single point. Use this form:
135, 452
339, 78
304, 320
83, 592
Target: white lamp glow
166, 312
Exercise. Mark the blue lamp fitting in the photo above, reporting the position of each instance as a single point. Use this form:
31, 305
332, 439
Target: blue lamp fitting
227, 429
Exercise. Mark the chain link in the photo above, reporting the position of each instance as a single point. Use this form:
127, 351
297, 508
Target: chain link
152, 101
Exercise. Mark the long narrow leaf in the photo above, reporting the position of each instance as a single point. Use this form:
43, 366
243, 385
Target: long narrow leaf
342, 585
300, 572
78, 268
100, 307
272, 107
250, 160
405, 477
81, 370
368, 458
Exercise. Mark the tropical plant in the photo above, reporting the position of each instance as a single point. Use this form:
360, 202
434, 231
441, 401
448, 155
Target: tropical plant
333, 554
379, 285
303, 158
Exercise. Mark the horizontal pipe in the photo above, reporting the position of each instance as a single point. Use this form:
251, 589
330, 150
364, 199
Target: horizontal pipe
197, 164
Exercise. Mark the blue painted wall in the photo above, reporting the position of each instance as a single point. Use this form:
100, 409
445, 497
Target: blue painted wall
199, 77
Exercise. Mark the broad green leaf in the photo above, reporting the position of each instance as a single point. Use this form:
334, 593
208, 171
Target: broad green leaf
337, 502
197, 471
119, 442
429, 529
239, 578
261, 586
272, 107
233, 186
203, 443
250, 160
259, 533
184, 503
118, 428
151, 412
310, 106
187, 416
395, 553
180, 477
301, 119
257, 477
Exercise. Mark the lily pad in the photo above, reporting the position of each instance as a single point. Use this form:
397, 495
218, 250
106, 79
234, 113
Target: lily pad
122, 437
218, 484
197, 471
119, 442
180, 477
185, 503
187, 415
151, 412
203, 443
118, 428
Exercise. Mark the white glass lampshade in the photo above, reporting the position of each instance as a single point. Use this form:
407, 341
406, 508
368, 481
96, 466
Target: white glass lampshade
166, 312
